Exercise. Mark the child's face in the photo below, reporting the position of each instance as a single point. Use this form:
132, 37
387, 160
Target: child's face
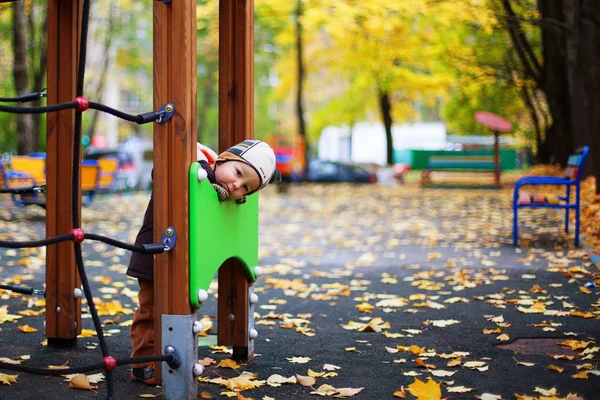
237, 177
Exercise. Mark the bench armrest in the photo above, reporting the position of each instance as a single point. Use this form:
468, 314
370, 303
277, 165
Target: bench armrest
543, 180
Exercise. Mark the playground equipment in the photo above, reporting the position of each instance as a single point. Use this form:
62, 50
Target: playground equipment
174, 151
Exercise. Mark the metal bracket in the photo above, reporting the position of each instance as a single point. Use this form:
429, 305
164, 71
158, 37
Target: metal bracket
177, 333
165, 113
169, 238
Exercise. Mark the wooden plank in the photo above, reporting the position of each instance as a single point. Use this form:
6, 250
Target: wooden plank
61, 270
174, 151
236, 123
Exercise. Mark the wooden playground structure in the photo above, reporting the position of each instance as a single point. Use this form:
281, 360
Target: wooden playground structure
174, 151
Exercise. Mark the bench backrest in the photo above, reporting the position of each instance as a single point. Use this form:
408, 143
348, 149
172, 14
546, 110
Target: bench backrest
452, 161
109, 166
576, 163
33, 166
90, 173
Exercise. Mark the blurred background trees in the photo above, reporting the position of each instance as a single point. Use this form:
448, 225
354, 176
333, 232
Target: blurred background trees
338, 62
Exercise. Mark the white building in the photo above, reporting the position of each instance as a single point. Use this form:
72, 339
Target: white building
367, 143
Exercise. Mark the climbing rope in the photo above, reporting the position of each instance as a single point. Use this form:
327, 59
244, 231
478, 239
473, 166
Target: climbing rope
81, 104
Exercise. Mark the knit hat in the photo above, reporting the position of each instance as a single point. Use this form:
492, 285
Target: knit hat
256, 154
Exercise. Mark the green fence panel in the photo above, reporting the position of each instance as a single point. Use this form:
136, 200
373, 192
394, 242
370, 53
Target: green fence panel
219, 231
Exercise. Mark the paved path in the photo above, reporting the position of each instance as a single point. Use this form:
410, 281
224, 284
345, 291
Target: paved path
355, 276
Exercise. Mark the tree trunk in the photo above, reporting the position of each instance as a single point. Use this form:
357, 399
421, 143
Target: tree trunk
583, 59
554, 81
208, 92
385, 106
107, 51
39, 73
300, 78
27, 138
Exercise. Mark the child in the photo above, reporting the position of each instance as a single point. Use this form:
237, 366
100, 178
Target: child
236, 173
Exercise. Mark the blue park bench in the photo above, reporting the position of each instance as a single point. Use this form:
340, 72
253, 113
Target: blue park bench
572, 183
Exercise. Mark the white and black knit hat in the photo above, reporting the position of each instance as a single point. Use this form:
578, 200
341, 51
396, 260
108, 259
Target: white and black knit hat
256, 154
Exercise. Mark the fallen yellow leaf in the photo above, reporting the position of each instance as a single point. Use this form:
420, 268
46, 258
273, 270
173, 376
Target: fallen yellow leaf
7, 379
228, 363
425, 391
27, 329
307, 381
556, 368
81, 381
400, 393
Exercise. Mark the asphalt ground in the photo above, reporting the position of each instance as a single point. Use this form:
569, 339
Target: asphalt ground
355, 276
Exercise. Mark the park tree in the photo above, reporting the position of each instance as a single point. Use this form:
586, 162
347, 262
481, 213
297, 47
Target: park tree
583, 65
29, 67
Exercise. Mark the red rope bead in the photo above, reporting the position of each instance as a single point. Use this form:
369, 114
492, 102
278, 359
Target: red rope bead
109, 363
82, 103
78, 235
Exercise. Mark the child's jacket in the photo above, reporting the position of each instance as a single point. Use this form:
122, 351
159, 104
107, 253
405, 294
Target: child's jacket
141, 266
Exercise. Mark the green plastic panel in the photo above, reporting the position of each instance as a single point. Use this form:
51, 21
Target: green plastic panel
219, 231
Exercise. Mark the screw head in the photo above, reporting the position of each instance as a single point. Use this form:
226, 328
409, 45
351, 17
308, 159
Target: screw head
169, 108
253, 333
231, 317
58, 310
169, 350
169, 231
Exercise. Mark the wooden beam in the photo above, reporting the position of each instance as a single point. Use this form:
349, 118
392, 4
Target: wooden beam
174, 151
62, 327
236, 123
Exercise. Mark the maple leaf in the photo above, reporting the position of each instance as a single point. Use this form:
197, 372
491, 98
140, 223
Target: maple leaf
343, 393
441, 373
277, 380
556, 368
574, 344
81, 381
525, 364
243, 382
228, 363
8, 379
400, 393
325, 390
306, 380
581, 375
298, 360
206, 361
545, 392
441, 323
425, 391
458, 389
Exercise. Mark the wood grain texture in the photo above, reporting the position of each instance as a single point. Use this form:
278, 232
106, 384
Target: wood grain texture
61, 271
174, 151
236, 123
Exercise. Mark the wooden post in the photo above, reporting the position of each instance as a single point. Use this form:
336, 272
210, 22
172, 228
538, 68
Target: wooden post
236, 123
63, 311
174, 151
496, 158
